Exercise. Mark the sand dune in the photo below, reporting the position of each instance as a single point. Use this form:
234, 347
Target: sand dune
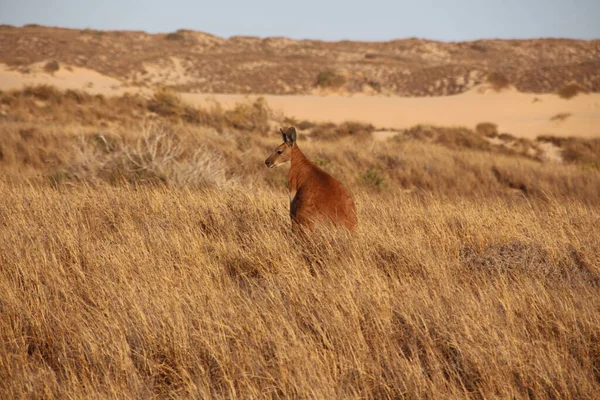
521, 114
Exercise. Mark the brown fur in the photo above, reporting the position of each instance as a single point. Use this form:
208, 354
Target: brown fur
315, 196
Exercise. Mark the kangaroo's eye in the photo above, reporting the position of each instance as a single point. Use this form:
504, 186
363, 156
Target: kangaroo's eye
279, 151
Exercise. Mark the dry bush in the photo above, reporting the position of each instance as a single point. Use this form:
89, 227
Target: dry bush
577, 150
498, 81
76, 106
51, 66
331, 131
451, 137
158, 155
302, 125
488, 129
43, 92
330, 78
571, 90
250, 116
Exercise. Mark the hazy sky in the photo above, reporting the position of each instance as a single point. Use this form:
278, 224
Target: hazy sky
321, 19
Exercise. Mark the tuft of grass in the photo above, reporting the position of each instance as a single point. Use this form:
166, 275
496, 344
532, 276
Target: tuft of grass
498, 81
330, 78
571, 90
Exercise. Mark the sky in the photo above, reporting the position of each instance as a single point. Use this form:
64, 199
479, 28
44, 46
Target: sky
368, 20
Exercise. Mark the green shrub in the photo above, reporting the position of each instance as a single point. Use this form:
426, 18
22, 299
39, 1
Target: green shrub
330, 79
373, 178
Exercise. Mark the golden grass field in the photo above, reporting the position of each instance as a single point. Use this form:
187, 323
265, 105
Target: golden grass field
146, 252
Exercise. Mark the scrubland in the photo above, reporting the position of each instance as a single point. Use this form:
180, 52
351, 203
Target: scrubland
145, 251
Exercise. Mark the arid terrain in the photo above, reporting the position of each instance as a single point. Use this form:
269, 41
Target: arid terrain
198, 62
527, 88
146, 252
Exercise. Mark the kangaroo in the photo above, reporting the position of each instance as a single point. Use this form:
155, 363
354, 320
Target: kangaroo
315, 196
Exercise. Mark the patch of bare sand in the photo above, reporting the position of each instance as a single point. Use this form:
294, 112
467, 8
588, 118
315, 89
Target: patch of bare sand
520, 114
66, 77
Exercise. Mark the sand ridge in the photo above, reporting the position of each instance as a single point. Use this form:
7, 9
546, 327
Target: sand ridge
520, 114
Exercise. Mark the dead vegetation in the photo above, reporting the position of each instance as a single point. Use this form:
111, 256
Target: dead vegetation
152, 258
585, 152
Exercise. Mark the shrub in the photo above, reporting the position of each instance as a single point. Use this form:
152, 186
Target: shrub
43, 92
577, 150
330, 79
498, 81
571, 90
166, 103
331, 131
175, 36
52, 66
303, 125
373, 178
488, 129
250, 116
158, 156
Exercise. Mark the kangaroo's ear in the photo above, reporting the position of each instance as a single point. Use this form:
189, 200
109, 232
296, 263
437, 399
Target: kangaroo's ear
289, 137
283, 135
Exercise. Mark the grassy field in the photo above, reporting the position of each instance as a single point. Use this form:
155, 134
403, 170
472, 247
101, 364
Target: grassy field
145, 251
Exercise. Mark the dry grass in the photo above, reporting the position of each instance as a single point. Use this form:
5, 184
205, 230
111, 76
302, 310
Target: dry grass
331, 131
474, 273
585, 152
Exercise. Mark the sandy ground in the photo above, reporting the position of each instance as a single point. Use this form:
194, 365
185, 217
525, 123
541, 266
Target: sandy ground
65, 78
520, 114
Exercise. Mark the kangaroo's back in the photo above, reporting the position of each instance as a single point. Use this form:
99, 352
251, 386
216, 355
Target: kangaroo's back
322, 198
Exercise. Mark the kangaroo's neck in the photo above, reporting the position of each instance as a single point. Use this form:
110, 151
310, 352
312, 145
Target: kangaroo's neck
299, 170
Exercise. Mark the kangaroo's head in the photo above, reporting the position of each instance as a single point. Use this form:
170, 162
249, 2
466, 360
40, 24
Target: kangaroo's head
283, 152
